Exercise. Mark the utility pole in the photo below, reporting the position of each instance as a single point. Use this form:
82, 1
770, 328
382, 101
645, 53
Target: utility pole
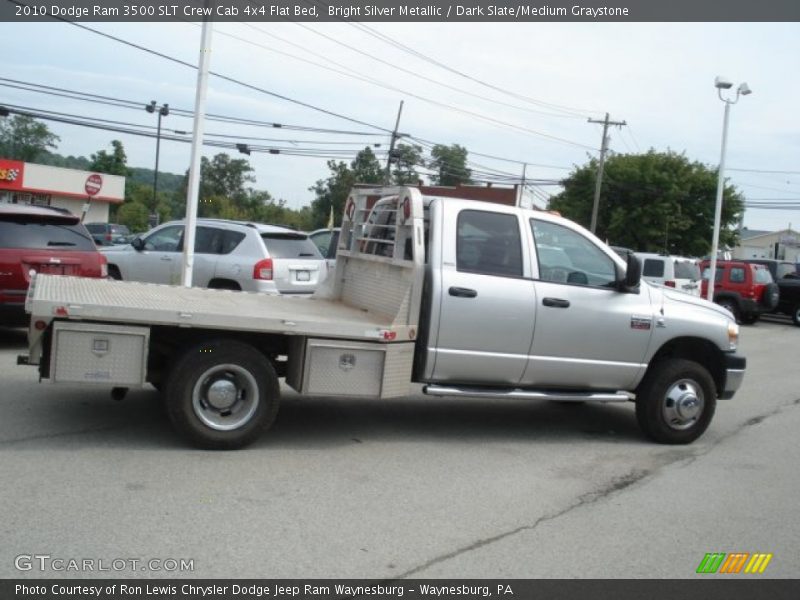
599, 180
388, 176
522, 185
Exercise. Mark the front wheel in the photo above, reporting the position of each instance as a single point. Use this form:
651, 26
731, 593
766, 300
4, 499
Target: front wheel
796, 315
222, 394
675, 401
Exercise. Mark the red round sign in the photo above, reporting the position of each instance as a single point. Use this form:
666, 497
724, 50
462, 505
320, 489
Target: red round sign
93, 184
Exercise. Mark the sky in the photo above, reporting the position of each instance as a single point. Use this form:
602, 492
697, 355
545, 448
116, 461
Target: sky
517, 91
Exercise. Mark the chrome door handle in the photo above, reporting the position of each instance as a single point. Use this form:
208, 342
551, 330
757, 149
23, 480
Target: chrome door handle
460, 292
555, 302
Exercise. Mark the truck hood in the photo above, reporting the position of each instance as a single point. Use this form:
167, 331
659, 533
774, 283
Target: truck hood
669, 295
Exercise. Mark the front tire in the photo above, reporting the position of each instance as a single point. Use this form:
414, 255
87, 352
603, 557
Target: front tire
796, 315
222, 394
676, 401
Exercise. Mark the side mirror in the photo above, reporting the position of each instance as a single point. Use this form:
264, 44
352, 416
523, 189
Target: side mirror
138, 244
633, 275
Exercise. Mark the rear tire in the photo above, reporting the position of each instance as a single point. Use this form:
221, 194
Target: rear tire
730, 305
222, 394
676, 401
796, 315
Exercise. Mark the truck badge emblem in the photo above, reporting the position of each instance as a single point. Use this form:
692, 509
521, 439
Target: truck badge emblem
347, 362
642, 323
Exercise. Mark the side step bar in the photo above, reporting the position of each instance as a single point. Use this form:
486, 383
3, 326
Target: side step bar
441, 390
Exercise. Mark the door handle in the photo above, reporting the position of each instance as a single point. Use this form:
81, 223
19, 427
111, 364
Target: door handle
460, 292
169, 258
555, 302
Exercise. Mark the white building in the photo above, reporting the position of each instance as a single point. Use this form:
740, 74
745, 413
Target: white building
783, 245
77, 191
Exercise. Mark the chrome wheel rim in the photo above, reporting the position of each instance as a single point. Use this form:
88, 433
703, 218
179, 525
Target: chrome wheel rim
225, 397
683, 404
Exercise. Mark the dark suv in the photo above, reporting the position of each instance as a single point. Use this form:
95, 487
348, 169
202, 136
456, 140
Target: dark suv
746, 290
45, 240
785, 275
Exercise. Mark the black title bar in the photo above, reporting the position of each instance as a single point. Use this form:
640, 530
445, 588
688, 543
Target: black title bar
384, 10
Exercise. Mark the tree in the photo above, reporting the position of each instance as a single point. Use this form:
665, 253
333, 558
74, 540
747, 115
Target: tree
332, 192
224, 176
405, 160
24, 138
134, 215
653, 202
114, 163
450, 164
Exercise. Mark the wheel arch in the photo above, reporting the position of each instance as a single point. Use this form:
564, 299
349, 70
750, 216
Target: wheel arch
166, 343
698, 350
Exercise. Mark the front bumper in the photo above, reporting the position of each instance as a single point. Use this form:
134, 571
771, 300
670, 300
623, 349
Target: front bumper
735, 366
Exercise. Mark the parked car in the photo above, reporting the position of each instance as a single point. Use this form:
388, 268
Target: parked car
228, 255
677, 272
785, 275
326, 241
745, 289
44, 240
107, 234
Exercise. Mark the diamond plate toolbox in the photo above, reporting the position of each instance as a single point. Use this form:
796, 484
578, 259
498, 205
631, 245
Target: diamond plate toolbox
98, 353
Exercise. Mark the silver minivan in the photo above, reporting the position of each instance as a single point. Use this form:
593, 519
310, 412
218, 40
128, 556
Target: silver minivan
678, 272
231, 255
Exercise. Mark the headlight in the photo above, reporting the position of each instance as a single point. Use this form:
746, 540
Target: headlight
733, 335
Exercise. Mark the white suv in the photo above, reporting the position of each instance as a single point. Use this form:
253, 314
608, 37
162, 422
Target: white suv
678, 272
230, 255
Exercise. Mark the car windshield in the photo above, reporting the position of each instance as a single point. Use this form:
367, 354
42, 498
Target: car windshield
290, 245
39, 233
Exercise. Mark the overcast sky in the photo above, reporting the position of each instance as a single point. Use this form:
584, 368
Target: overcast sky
659, 78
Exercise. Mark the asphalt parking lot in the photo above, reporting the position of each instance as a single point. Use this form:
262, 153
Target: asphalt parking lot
418, 487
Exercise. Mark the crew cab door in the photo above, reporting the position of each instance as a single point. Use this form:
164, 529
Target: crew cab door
588, 333
487, 307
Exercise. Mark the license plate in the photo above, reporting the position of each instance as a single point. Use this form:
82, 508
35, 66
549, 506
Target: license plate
303, 276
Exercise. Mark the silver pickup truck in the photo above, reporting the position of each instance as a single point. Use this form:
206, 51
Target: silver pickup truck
464, 297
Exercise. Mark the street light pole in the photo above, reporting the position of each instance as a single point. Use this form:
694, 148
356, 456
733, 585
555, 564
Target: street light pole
163, 111
743, 90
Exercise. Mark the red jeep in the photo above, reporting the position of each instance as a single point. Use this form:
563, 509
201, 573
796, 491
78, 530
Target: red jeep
746, 290
45, 240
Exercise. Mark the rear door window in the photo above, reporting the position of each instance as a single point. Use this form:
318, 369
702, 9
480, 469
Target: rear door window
290, 245
21, 232
489, 243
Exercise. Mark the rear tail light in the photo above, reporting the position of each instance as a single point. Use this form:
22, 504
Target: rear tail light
103, 266
669, 284
108, 237
263, 269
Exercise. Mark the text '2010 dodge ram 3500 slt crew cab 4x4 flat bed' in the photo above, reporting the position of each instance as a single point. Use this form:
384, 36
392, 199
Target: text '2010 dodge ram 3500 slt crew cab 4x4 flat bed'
467, 298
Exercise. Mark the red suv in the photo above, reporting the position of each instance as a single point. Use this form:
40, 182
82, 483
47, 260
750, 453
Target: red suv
746, 290
45, 240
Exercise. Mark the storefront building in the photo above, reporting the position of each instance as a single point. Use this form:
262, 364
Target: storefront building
78, 191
